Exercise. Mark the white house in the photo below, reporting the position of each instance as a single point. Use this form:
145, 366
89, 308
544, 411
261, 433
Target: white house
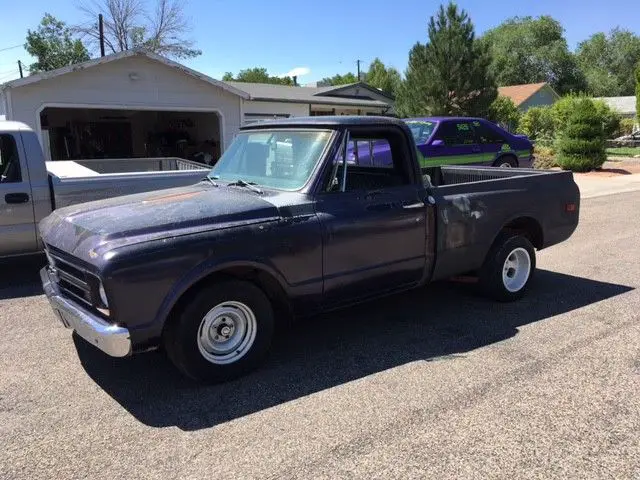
138, 104
269, 101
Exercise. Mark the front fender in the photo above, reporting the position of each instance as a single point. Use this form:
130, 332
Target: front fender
207, 269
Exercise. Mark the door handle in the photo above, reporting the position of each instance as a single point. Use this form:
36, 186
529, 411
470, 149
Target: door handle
413, 206
16, 198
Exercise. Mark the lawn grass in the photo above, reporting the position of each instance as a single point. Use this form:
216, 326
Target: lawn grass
623, 151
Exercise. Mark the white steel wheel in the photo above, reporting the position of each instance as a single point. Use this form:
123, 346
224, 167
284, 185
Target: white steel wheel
227, 332
505, 165
516, 270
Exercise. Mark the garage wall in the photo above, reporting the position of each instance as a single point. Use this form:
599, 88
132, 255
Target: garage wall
110, 86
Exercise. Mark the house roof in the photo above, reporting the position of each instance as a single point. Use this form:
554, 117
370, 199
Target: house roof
314, 95
38, 77
624, 105
521, 93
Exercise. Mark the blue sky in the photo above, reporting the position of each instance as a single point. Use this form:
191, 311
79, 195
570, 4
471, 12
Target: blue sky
325, 37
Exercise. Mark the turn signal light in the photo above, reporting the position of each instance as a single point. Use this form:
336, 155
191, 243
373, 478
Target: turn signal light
570, 207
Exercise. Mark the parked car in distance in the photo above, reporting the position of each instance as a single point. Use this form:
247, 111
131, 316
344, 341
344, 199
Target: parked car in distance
31, 188
452, 141
286, 226
469, 141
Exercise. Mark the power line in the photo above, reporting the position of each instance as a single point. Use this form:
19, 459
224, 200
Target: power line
11, 48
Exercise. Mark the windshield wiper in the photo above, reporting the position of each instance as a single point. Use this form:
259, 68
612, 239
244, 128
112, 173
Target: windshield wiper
243, 183
210, 181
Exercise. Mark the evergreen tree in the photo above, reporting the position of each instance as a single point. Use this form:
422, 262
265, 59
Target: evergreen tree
450, 74
581, 145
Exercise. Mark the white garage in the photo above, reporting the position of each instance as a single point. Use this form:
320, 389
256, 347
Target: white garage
130, 104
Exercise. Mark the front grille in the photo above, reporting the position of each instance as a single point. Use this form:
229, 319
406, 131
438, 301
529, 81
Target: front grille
72, 279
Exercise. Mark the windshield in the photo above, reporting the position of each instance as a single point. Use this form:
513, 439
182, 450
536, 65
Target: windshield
421, 130
279, 159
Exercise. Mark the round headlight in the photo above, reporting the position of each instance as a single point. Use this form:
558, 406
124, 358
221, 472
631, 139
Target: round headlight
103, 295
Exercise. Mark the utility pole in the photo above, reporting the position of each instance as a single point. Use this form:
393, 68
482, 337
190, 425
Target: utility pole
358, 63
101, 29
20, 68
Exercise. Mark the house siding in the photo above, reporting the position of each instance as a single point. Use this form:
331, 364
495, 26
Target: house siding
542, 97
255, 107
109, 86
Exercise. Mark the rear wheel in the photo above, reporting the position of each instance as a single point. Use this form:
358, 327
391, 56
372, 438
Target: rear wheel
222, 333
506, 161
508, 268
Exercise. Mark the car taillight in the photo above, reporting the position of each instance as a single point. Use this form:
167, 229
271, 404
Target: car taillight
570, 207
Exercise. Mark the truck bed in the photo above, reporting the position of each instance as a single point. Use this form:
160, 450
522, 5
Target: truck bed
80, 181
475, 202
452, 175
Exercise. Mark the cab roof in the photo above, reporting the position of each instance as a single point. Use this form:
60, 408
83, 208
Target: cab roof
331, 121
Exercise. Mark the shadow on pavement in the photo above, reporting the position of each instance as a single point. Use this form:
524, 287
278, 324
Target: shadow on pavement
20, 276
438, 321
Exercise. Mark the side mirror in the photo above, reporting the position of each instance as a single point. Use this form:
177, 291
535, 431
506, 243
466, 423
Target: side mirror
437, 143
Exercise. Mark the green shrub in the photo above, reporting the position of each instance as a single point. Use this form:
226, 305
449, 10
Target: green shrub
580, 147
537, 123
563, 108
626, 127
504, 112
545, 157
610, 118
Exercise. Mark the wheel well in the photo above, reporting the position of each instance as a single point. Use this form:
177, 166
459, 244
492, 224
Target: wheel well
263, 280
527, 226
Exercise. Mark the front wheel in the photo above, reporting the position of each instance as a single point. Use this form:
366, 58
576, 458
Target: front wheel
223, 332
507, 161
508, 268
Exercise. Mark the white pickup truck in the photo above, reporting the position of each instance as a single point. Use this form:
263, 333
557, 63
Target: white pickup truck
31, 188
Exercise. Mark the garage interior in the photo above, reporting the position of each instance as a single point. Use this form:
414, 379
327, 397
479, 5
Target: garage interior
86, 133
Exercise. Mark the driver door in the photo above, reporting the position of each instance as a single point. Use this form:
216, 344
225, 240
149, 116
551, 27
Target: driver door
374, 227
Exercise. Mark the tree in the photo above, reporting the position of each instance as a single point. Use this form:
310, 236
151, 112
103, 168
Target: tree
581, 146
532, 50
129, 24
257, 75
338, 80
504, 112
386, 79
53, 46
609, 61
449, 75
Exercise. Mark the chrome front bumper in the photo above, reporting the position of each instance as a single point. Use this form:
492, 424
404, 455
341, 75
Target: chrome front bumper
111, 339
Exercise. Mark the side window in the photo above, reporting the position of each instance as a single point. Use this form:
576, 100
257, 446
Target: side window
373, 161
9, 160
370, 152
486, 134
456, 133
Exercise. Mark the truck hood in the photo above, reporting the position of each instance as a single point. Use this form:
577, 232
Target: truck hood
90, 229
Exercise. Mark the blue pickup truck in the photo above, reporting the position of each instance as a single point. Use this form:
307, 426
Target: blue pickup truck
285, 226
454, 141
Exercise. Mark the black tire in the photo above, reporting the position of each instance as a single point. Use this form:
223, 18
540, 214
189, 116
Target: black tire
491, 279
506, 160
181, 337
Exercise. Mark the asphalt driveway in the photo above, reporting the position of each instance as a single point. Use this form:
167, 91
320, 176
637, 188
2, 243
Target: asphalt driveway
435, 383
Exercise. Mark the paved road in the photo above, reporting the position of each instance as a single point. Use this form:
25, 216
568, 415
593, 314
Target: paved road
437, 383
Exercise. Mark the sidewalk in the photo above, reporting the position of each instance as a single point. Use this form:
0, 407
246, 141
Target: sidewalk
595, 186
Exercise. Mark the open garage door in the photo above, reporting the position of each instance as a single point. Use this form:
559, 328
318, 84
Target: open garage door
88, 133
